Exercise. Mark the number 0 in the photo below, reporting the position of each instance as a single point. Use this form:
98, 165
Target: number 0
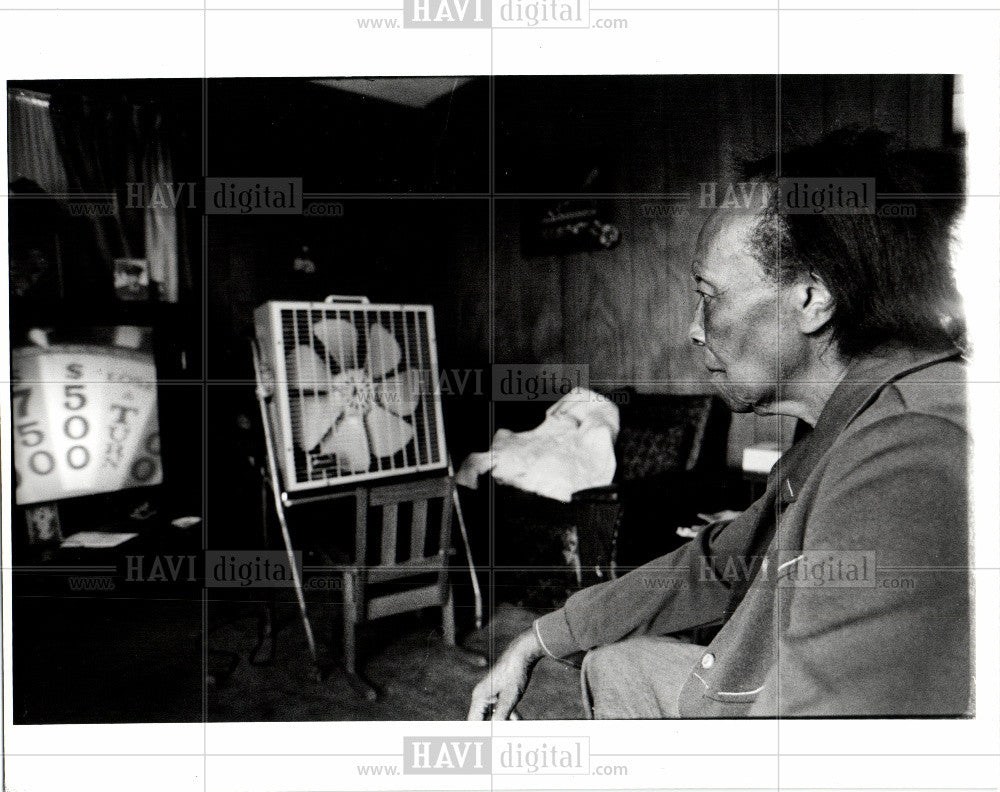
143, 469
47, 460
81, 459
76, 420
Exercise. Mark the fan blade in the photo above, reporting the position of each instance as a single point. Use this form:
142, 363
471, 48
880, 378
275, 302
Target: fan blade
350, 444
306, 369
340, 339
348, 378
389, 434
319, 414
401, 394
384, 353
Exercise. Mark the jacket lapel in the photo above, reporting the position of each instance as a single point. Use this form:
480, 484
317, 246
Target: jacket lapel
864, 380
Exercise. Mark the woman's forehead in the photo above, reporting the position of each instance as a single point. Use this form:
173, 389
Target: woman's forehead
723, 250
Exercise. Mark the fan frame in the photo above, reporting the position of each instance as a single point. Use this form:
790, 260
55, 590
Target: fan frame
269, 332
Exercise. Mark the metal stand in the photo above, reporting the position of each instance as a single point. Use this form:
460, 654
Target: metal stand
279, 507
476, 593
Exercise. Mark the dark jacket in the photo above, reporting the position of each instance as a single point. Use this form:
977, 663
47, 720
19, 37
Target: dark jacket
844, 589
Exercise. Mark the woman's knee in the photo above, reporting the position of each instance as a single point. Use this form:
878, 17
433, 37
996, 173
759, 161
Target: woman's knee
639, 677
611, 680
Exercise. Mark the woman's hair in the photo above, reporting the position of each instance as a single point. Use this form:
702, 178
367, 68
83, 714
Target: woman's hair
889, 270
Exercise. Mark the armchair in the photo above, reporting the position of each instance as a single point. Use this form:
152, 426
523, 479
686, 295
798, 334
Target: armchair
671, 464
671, 454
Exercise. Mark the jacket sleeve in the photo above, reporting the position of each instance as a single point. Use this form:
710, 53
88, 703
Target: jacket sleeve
892, 640
679, 591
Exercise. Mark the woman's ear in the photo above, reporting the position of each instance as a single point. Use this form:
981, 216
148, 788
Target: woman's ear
813, 303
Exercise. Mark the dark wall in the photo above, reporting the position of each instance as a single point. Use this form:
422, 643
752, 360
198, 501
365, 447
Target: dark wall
389, 251
625, 312
345, 142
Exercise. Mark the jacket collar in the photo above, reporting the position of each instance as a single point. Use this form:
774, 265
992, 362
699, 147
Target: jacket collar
864, 380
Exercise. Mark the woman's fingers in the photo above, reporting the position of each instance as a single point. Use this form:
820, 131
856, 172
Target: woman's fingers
482, 700
505, 705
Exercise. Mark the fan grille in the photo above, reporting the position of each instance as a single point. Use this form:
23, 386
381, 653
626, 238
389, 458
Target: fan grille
356, 387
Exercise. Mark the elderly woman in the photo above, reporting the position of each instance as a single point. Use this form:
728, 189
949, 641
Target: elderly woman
842, 591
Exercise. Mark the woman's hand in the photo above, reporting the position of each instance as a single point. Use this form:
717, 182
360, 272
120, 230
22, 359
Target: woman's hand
505, 683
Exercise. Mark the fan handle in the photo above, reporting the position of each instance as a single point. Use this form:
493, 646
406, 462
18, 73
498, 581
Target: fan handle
346, 298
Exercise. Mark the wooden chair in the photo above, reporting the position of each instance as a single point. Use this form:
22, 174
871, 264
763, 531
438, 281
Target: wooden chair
408, 594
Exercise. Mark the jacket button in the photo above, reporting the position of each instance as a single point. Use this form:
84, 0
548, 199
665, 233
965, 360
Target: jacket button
708, 660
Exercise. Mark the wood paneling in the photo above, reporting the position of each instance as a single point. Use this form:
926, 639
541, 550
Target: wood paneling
926, 111
626, 312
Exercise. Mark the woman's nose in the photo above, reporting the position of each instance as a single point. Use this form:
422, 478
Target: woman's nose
696, 332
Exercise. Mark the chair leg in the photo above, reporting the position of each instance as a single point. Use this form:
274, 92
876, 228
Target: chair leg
474, 659
448, 618
263, 652
350, 617
350, 609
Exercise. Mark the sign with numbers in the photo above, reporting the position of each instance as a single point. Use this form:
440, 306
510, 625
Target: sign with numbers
85, 421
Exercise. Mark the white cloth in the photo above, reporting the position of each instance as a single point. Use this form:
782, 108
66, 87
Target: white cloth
572, 449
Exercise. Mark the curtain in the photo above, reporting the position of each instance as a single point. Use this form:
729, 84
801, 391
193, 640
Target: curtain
116, 153
91, 145
32, 151
160, 217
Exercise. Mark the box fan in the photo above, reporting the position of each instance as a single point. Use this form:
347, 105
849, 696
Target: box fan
348, 397
354, 390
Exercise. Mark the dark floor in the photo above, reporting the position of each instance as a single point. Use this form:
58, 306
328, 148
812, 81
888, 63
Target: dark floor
120, 659
139, 652
106, 660
419, 677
